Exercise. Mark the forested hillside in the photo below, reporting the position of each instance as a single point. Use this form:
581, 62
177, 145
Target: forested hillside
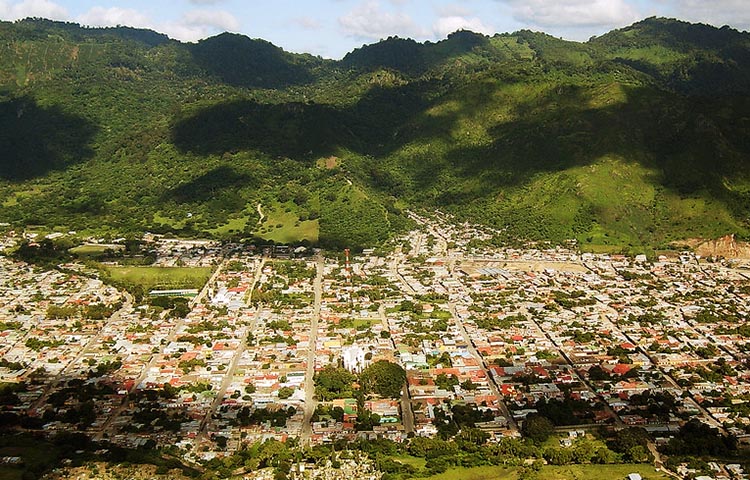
634, 139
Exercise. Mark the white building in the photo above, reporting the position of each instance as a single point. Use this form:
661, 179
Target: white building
354, 358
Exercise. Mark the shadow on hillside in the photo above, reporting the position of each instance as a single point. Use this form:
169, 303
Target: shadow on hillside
692, 143
302, 130
35, 139
684, 140
205, 187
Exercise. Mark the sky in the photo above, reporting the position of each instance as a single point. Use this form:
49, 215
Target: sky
331, 28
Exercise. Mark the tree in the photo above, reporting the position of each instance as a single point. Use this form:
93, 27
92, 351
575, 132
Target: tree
337, 413
537, 428
468, 385
334, 382
627, 439
558, 456
384, 378
638, 454
285, 392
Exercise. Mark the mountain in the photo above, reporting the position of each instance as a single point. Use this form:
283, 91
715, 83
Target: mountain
628, 142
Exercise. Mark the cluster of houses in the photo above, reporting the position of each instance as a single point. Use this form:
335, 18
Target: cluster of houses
607, 339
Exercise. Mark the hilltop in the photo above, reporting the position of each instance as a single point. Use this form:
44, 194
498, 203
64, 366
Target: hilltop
630, 141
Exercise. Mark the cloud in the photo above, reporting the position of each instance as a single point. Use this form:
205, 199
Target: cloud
192, 26
195, 25
453, 10
113, 16
716, 12
369, 22
32, 8
308, 23
218, 19
205, 2
573, 13
446, 25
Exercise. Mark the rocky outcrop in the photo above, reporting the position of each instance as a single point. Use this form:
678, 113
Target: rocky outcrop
727, 247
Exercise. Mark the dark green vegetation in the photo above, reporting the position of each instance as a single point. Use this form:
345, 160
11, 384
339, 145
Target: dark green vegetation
40, 455
629, 141
383, 378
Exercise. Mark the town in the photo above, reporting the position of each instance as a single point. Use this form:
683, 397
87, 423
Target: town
277, 344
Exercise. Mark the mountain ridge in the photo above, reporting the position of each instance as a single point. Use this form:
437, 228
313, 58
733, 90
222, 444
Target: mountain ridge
522, 131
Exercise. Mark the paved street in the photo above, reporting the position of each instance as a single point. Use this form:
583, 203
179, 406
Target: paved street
310, 402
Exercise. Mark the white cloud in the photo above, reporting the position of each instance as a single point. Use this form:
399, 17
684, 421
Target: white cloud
370, 22
32, 8
198, 24
308, 23
453, 10
446, 25
716, 12
205, 2
192, 26
219, 19
573, 13
113, 16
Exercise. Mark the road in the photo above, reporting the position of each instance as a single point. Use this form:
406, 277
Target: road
310, 402
618, 421
397, 259
260, 214
606, 321
127, 306
154, 357
407, 413
491, 380
229, 374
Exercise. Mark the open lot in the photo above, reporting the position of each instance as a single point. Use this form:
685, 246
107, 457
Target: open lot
161, 277
570, 472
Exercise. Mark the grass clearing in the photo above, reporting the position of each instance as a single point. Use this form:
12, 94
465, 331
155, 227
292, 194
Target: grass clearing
597, 472
283, 226
94, 251
151, 278
160, 219
415, 462
569, 472
17, 197
358, 323
234, 225
478, 473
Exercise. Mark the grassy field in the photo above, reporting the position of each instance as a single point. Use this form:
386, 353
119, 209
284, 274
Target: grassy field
358, 322
234, 225
161, 277
91, 251
572, 472
596, 472
285, 227
415, 462
478, 473
171, 222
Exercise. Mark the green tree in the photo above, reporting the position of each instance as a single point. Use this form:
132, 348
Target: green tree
384, 378
537, 428
285, 392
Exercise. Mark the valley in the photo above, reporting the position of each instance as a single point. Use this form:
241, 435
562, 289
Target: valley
274, 348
